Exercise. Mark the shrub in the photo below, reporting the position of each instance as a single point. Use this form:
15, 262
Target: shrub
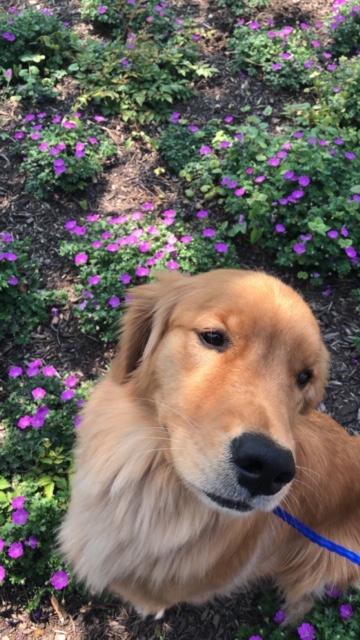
124, 16
295, 193
24, 303
38, 416
64, 152
345, 28
139, 80
113, 252
243, 7
35, 50
284, 58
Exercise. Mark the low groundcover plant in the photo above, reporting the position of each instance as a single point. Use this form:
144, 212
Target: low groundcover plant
61, 151
39, 416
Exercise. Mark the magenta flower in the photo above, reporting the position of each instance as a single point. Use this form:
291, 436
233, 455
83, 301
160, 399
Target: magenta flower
193, 128
240, 192
297, 194
125, 278
209, 232
15, 372
69, 124
221, 247
203, 213
351, 252
172, 265
93, 140
112, 247
102, 9
346, 611
229, 119
304, 181
80, 150
19, 135
144, 247
289, 175
276, 66
256, 637
149, 206
175, 117
280, 228
77, 421
59, 580
333, 234
43, 146
114, 302
71, 381
186, 239
345, 232
308, 64
94, 280
142, 271
299, 248
38, 393
60, 166
2, 573
24, 422
205, 150
306, 631
67, 395
18, 502
20, 516
260, 179
34, 368
16, 550
81, 258
274, 161
49, 371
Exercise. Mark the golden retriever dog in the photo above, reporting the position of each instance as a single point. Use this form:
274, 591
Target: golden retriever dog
204, 423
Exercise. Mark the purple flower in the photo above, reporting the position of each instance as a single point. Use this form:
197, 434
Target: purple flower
49, 371
18, 502
221, 247
71, 381
193, 128
280, 228
142, 271
299, 248
125, 278
24, 422
59, 166
19, 135
69, 124
351, 252
20, 516
10, 37
345, 232
2, 573
94, 280
209, 233
274, 161
203, 213
77, 421
114, 302
67, 395
276, 66
16, 550
205, 150
149, 206
145, 247
333, 234
260, 179
15, 372
186, 239
59, 580
279, 617
81, 258
172, 265
38, 393
175, 117
43, 146
229, 119
256, 637
13, 280
332, 591
306, 631
312, 140
33, 542
254, 24
298, 134
350, 155
100, 118
93, 140
346, 611
304, 181
339, 141
80, 150
240, 192
102, 8
308, 64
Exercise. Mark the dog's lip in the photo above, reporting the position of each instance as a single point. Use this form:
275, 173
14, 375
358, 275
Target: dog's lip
228, 503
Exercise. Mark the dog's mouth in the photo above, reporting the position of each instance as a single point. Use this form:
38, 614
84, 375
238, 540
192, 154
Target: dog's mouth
227, 503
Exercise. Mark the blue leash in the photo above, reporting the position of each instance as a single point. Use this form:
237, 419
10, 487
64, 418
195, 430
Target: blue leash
316, 537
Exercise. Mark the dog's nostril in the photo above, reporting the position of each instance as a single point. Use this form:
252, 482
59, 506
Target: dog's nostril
262, 466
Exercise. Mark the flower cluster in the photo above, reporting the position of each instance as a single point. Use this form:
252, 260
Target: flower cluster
61, 151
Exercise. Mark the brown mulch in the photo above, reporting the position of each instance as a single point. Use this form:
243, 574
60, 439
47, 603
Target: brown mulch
128, 182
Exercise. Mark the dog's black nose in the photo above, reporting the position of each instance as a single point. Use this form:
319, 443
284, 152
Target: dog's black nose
263, 467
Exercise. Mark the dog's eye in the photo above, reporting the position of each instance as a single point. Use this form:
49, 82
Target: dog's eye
214, 339
304, 377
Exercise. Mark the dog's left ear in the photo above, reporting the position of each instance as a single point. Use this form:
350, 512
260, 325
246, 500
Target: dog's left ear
145, 322
316, 389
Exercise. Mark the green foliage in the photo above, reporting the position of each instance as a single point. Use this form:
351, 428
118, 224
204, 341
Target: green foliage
123, 16
257, 160
278, 56
35, 463
35, 50
142, 82
123, 250
24, 303
73, 152
345, 28
178, 145
243, 7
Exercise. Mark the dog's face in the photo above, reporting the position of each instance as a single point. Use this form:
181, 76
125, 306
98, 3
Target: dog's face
228, 359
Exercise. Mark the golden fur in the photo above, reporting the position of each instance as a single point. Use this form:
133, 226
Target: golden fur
155, 435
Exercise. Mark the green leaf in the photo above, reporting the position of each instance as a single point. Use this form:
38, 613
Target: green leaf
4, 484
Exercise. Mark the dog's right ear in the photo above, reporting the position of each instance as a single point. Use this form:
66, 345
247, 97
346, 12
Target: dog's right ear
145, 322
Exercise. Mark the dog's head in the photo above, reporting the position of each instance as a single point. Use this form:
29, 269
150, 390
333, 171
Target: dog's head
227, 359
